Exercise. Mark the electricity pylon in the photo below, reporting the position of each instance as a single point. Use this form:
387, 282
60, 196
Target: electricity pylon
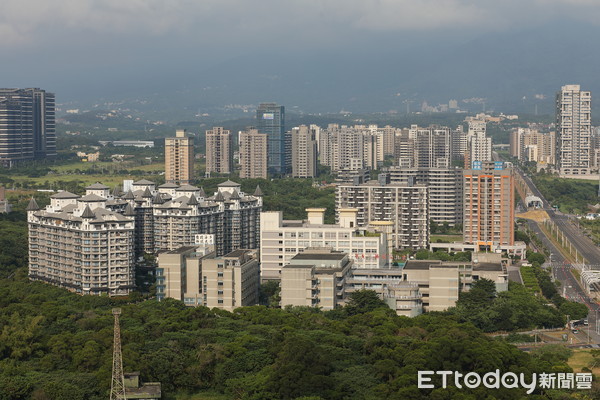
117, 386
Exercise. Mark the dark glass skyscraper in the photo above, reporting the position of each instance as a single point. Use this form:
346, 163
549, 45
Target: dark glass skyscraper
271, 121
27, 125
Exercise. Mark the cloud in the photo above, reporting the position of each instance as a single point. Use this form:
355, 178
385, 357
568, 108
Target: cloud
43, 22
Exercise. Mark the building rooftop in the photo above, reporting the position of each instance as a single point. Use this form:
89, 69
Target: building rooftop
97, 186
143, 182
421, 264
487, 267
237, 253
319, 256
229, 183
182, 250
64, 195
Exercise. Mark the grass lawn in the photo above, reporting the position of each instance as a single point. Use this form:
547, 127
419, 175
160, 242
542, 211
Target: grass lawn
445, 238
582, 358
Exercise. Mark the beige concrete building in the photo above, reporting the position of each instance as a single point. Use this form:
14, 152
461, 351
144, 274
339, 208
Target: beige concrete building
406, 207
231, 281
315, 279
179, 274
253, 154
193, 275
489, 205
304, 152
219, 151
325, 279
528, 144
179, 158
281, 240
573, 130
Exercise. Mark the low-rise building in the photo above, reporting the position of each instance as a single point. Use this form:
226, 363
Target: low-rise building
316, 279
195, 276
281, 239
231, 281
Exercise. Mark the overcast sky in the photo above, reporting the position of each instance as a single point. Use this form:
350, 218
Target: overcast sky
60, 42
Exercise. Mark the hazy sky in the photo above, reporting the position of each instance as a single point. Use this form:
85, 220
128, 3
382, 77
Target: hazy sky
57, 43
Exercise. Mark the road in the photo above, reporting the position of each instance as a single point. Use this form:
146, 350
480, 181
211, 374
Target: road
566, 225
560, 266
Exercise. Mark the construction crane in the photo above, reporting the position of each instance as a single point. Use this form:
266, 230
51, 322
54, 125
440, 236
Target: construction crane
117, 386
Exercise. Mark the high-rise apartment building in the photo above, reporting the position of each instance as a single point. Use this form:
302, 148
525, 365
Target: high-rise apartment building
304, 152
179, 158
271, 121
80, 244
406, 206
27, 125
528, 144
89, 244
445, 186
488, 205
573, 130
253, 154
351, 147
219, 151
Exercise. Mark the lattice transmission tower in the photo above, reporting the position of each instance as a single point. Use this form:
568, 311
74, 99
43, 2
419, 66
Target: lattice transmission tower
117, 386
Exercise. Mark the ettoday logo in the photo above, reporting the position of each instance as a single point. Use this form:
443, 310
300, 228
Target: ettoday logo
508, 380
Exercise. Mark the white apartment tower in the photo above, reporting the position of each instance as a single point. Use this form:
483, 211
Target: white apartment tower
573, 130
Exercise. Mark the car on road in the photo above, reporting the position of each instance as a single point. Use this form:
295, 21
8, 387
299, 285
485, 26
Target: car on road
575, 331
585, 322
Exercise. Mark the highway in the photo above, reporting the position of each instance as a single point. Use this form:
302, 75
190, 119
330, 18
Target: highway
565, 224
560, 266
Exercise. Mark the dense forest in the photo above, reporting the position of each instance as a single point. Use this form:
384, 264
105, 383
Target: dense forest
58, 345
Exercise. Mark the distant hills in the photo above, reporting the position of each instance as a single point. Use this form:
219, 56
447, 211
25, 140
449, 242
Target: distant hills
505, 70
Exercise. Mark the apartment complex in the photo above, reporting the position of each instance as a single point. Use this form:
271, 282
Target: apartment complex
351, 148
253, 154
488, 205
270, 119
79, 243
405, 206
527, 144
179, 158
179, 214
27, 125
88, 243
445, 189
283, 239
219, 151
573, 130
304, 152
198, 278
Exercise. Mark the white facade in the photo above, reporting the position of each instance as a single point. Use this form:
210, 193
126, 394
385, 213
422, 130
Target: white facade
281, 240
573, 130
